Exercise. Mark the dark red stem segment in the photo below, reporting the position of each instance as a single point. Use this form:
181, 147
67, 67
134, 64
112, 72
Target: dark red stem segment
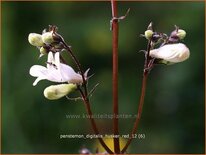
139, 112
76, 61
115, 75
146, 70
92, 121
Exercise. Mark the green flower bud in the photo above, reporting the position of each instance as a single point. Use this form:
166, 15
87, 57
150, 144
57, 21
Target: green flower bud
43, 50
35, 39
181, 34
148, 34
48, 37
55, 92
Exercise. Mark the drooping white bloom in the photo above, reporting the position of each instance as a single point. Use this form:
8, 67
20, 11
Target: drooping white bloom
173, 53
56, 71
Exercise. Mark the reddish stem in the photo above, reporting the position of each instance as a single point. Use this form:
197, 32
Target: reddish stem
86, 99
76, 61
115, 75
139, 112
92, 121
147, 68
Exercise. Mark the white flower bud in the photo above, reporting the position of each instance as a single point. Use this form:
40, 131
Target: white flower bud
172, 53
55, 92
35, 39
148, 34
43, 50
48, 37
181, 34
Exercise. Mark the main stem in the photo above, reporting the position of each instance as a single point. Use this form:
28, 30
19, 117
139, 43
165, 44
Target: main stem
115, 75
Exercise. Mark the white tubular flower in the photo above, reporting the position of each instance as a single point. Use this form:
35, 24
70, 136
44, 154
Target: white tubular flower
172, 53
55, 92
35, 39
56, 71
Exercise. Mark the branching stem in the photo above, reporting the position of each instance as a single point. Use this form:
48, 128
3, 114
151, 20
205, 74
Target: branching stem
85, 97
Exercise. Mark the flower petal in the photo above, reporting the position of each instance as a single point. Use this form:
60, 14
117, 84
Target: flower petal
37, 70
37, 80
57, 59
69, 75
50, 60
54, 75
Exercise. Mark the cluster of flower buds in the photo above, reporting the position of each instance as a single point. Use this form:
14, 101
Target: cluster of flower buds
167, 50
51, 43
47, 41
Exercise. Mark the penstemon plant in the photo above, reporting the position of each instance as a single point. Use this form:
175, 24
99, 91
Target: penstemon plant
161, 49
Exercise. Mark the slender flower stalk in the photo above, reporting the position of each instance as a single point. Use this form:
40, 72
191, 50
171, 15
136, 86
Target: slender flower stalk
141, 102
139, 112
78, 66
92, 121
115, 30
